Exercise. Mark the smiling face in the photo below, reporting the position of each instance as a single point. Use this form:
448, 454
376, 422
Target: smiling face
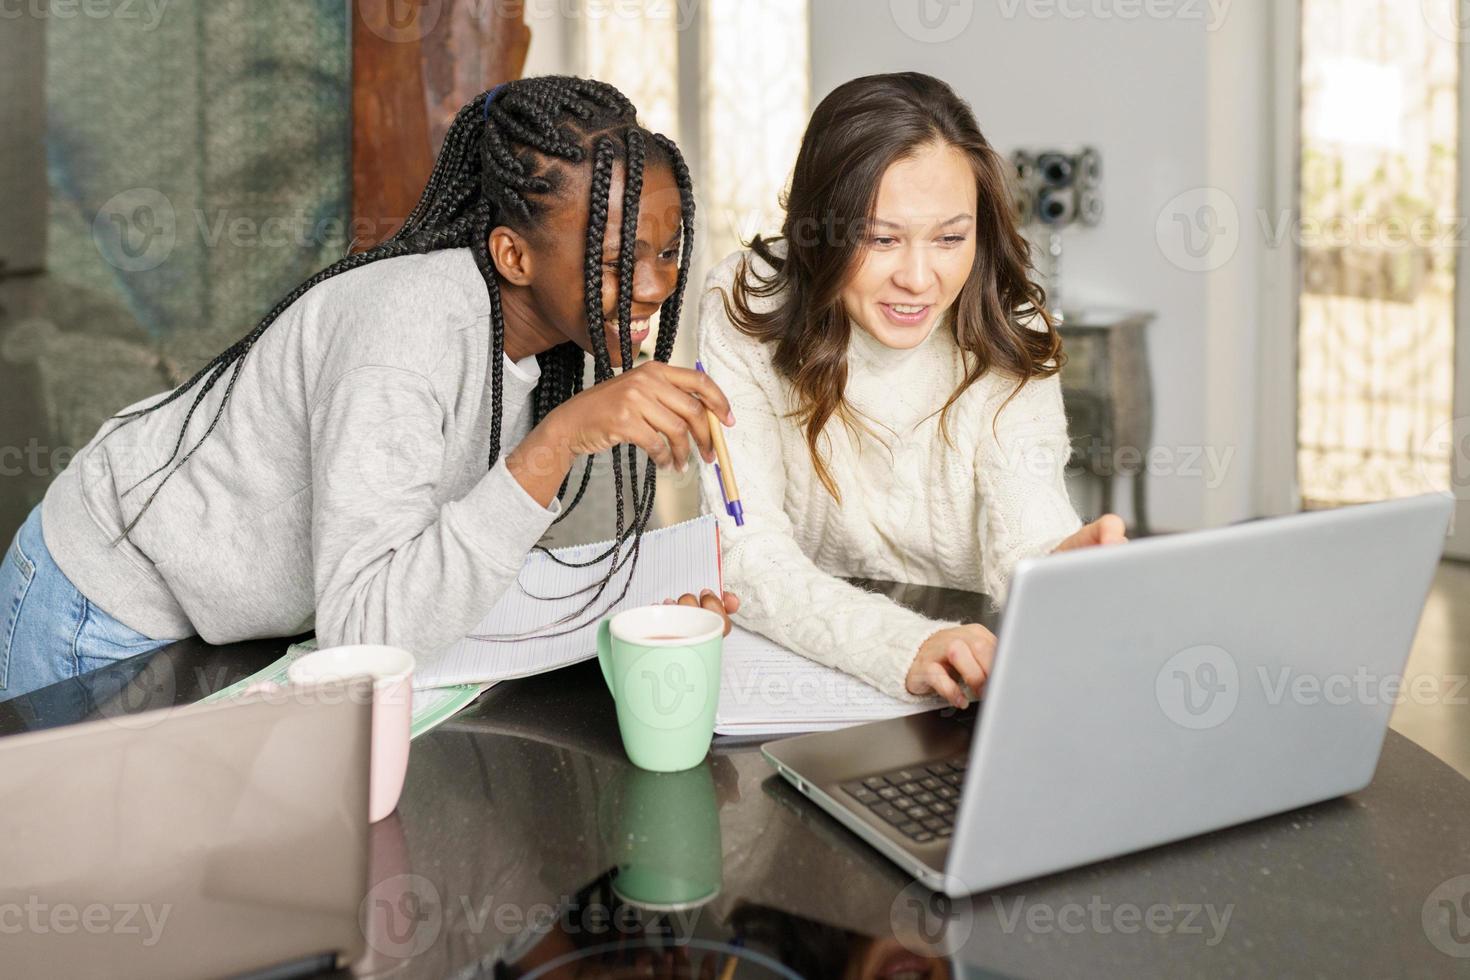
556, 285
920, 247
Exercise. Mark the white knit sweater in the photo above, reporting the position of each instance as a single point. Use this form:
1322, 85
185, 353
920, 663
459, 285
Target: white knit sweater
914, 509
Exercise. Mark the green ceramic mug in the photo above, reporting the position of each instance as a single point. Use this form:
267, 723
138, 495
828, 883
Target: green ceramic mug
662, 665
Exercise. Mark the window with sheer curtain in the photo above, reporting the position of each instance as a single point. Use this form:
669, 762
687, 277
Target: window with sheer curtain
755, 96
1378, 235
740, 126
729, 80
635, 46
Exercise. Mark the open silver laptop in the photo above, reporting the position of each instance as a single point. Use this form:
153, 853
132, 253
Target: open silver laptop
1146, 693
207, 841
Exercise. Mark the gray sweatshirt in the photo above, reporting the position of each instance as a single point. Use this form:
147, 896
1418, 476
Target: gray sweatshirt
345, 486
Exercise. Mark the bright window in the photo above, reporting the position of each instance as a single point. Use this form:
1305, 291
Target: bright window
1378, 238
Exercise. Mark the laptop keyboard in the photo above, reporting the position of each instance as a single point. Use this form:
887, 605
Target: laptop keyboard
919, 800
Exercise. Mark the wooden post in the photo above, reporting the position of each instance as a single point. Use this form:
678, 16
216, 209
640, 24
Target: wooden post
414, 64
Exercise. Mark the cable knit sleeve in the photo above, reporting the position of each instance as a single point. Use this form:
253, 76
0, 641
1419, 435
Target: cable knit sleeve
784, 595
1021, 475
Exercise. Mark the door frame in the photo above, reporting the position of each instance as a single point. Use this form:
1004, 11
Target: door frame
1276, 490
1457, 545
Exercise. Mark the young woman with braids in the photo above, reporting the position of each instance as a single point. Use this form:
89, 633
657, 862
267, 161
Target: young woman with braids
895, 374
378, 456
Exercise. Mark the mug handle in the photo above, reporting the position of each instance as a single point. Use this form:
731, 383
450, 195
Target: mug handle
604, 652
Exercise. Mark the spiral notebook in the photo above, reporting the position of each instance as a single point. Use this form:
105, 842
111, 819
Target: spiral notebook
540, 625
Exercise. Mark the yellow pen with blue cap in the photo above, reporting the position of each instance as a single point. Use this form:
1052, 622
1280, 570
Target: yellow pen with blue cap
724, 470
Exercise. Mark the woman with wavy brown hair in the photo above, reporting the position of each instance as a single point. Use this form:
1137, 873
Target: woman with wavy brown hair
894, 374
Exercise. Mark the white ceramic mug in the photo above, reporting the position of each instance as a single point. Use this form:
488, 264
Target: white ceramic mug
391, 670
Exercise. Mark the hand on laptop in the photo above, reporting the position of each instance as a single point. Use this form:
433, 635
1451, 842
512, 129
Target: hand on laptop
725, 606
1107, 529
960, 655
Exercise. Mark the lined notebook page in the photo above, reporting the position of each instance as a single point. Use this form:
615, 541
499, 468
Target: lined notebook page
766, 689
671, 561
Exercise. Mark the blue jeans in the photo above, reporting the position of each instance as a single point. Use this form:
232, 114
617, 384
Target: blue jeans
51, 631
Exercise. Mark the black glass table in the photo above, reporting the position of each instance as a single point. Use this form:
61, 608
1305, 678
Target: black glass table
526, 845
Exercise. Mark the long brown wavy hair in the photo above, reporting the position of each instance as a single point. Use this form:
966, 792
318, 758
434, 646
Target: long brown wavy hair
855, 134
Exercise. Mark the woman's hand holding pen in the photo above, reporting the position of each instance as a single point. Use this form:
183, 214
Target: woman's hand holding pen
951, 660
661, 409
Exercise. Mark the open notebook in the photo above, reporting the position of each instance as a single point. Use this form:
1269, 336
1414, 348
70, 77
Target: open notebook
764, 689
514, 639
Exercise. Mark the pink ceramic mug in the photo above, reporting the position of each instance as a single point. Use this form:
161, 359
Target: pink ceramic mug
391, 670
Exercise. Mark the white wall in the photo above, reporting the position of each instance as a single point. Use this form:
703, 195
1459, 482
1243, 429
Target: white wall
1240, 140
1174, 103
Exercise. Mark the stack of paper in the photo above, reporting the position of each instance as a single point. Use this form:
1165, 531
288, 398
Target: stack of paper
766, 689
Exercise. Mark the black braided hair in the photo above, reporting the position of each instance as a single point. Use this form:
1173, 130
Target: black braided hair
668, 313
604, 153
504, 159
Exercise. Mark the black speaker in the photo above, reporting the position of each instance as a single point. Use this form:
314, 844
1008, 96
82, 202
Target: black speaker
1056, 188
